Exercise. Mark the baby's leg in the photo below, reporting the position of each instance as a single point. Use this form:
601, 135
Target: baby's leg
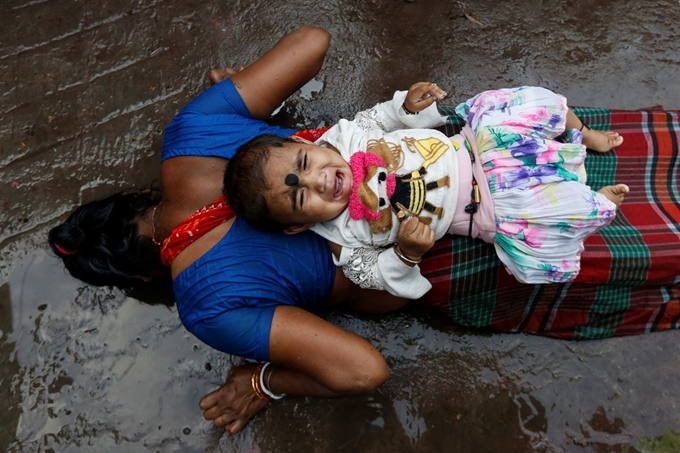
615, 193
594, 140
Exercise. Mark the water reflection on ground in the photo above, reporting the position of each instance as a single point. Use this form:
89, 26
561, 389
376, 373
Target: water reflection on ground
93, 370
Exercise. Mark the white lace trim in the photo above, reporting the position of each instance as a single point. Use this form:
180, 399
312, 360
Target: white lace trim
362, 268
371, 119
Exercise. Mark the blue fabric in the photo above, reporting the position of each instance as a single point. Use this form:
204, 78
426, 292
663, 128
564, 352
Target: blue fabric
228, 296
214, 124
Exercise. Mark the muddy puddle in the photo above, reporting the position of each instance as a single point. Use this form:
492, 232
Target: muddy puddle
88, 89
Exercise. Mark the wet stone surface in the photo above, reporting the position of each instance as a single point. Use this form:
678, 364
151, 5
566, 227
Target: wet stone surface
88, 88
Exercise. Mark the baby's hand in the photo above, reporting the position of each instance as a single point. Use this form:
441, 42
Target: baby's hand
421, 95
415, 238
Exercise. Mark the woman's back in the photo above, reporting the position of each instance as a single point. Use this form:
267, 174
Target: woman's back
227, 296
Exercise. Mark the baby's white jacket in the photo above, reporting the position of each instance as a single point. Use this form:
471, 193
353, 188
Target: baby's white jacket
367, 257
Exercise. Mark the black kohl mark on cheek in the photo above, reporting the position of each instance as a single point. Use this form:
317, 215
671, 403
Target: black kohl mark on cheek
292, 180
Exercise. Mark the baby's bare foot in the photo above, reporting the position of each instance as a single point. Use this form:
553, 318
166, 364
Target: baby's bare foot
600, 141
615, 193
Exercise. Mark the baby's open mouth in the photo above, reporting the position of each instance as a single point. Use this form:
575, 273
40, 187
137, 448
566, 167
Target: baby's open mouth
338, 185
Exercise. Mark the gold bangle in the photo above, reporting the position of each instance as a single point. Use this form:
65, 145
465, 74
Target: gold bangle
401, 255
254, 381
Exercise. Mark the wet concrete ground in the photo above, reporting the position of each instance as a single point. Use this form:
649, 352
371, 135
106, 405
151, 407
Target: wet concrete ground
87, 89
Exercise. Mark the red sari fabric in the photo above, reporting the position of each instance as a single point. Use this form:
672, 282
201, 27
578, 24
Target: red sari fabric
194, 227
210, 216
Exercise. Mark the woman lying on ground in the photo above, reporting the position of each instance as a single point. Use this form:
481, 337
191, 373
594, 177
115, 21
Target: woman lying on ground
244, 292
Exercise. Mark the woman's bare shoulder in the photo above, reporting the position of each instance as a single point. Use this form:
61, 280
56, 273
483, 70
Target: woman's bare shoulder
189, 183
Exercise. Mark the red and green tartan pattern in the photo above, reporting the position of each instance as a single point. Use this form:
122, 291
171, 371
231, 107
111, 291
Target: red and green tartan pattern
630, 270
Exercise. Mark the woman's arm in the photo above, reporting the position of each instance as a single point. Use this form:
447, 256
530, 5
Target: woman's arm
316, 359
291, 63
190, 182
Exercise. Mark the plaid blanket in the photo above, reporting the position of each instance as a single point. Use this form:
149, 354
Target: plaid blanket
630, 270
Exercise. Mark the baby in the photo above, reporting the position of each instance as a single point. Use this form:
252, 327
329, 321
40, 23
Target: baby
383, 187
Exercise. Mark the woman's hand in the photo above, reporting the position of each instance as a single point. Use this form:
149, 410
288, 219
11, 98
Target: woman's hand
233, 404
217, 75
314, 358
415, 238
422, 95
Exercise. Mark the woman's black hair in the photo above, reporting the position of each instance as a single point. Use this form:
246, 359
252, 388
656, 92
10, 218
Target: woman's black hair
99, 243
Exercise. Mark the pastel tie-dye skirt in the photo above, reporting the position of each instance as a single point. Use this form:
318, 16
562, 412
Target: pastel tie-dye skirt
543, 208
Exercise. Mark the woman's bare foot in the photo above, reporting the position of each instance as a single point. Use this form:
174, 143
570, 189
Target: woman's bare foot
600, 141
217, 75
615, 193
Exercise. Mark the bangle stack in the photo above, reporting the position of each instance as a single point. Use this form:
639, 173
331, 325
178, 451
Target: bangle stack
403, 257
255, 382
258, 382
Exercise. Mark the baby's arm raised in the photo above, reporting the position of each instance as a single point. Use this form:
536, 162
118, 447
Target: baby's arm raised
422, 95
413, 109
